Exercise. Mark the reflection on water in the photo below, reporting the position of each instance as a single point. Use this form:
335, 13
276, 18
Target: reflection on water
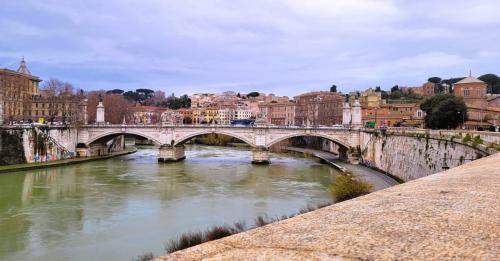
118, 208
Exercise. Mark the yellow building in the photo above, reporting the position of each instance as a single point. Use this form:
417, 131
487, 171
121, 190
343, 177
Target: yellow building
370, 98
212, 115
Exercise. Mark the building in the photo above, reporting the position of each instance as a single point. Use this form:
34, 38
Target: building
279, 113
199, 115
224, 116
16, 90
62, 108
429, 89
370, 98
243, 114
389, 115
318, 108
187, 114
473, 91
140, 114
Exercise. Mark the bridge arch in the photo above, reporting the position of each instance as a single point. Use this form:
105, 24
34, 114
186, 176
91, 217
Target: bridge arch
238, 136
110, 134
342, 143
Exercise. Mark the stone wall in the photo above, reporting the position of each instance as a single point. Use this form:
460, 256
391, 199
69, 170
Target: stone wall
27, 145
11, 147
412, 156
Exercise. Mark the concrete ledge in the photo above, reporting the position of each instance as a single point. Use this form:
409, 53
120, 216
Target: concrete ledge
58, 163
448, 215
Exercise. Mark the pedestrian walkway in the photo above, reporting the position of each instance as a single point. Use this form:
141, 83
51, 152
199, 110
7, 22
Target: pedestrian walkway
379, 180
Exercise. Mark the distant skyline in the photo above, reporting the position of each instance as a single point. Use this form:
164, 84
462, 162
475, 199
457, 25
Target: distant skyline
285, 47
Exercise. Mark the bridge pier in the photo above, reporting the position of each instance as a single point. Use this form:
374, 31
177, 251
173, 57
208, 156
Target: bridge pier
260, 155
169, 153
349, 155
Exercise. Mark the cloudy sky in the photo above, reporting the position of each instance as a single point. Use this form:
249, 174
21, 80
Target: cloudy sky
280, 46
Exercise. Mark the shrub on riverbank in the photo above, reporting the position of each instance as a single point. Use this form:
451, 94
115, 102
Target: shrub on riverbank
346, 187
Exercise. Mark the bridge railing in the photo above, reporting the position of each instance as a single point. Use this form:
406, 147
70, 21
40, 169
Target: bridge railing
212, 126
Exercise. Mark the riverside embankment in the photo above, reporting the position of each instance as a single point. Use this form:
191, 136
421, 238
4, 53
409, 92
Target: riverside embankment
448, 215
376, 178
59, 163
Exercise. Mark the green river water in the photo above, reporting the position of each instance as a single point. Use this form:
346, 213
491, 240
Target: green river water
119, 208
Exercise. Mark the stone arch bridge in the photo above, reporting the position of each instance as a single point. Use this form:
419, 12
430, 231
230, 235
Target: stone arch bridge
172, 137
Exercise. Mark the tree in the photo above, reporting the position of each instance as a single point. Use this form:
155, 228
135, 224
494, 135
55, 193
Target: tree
496, 88
333, 88
253, 94
395, 88
444, 111
435, 80
491, 80
377, 89
61, 100
396, 94
238, 95
131, 96
115, 106
115, 91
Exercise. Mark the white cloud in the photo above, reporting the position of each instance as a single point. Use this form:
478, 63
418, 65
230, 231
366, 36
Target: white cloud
275, 45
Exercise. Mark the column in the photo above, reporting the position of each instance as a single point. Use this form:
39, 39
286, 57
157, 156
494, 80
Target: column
346, 116
83, 111
100, 113
260, 155
356, 115
169, 153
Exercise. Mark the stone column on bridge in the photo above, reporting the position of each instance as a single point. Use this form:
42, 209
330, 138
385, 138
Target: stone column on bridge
260, 155
346, 116
171, 153
83, 111
100, 112
356, 115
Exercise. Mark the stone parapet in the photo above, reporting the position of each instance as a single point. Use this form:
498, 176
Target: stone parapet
449, 215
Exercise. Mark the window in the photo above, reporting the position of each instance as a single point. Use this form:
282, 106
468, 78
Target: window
466, 92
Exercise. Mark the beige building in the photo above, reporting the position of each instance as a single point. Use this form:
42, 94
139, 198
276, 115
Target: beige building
16, 89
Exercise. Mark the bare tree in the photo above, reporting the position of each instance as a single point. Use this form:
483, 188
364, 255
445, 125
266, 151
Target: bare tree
115, 106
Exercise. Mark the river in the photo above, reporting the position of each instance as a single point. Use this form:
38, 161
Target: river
119, 208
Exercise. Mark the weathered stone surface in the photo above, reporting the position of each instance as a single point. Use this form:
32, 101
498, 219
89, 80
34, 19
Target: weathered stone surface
410, 158
449, 215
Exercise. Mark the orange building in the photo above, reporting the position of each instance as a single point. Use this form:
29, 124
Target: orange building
473, 90
389, 115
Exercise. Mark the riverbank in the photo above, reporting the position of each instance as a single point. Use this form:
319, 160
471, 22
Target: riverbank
435, 217
58, 163
378, 179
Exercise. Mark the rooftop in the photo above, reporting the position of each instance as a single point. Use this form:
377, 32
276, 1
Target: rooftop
470, 79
